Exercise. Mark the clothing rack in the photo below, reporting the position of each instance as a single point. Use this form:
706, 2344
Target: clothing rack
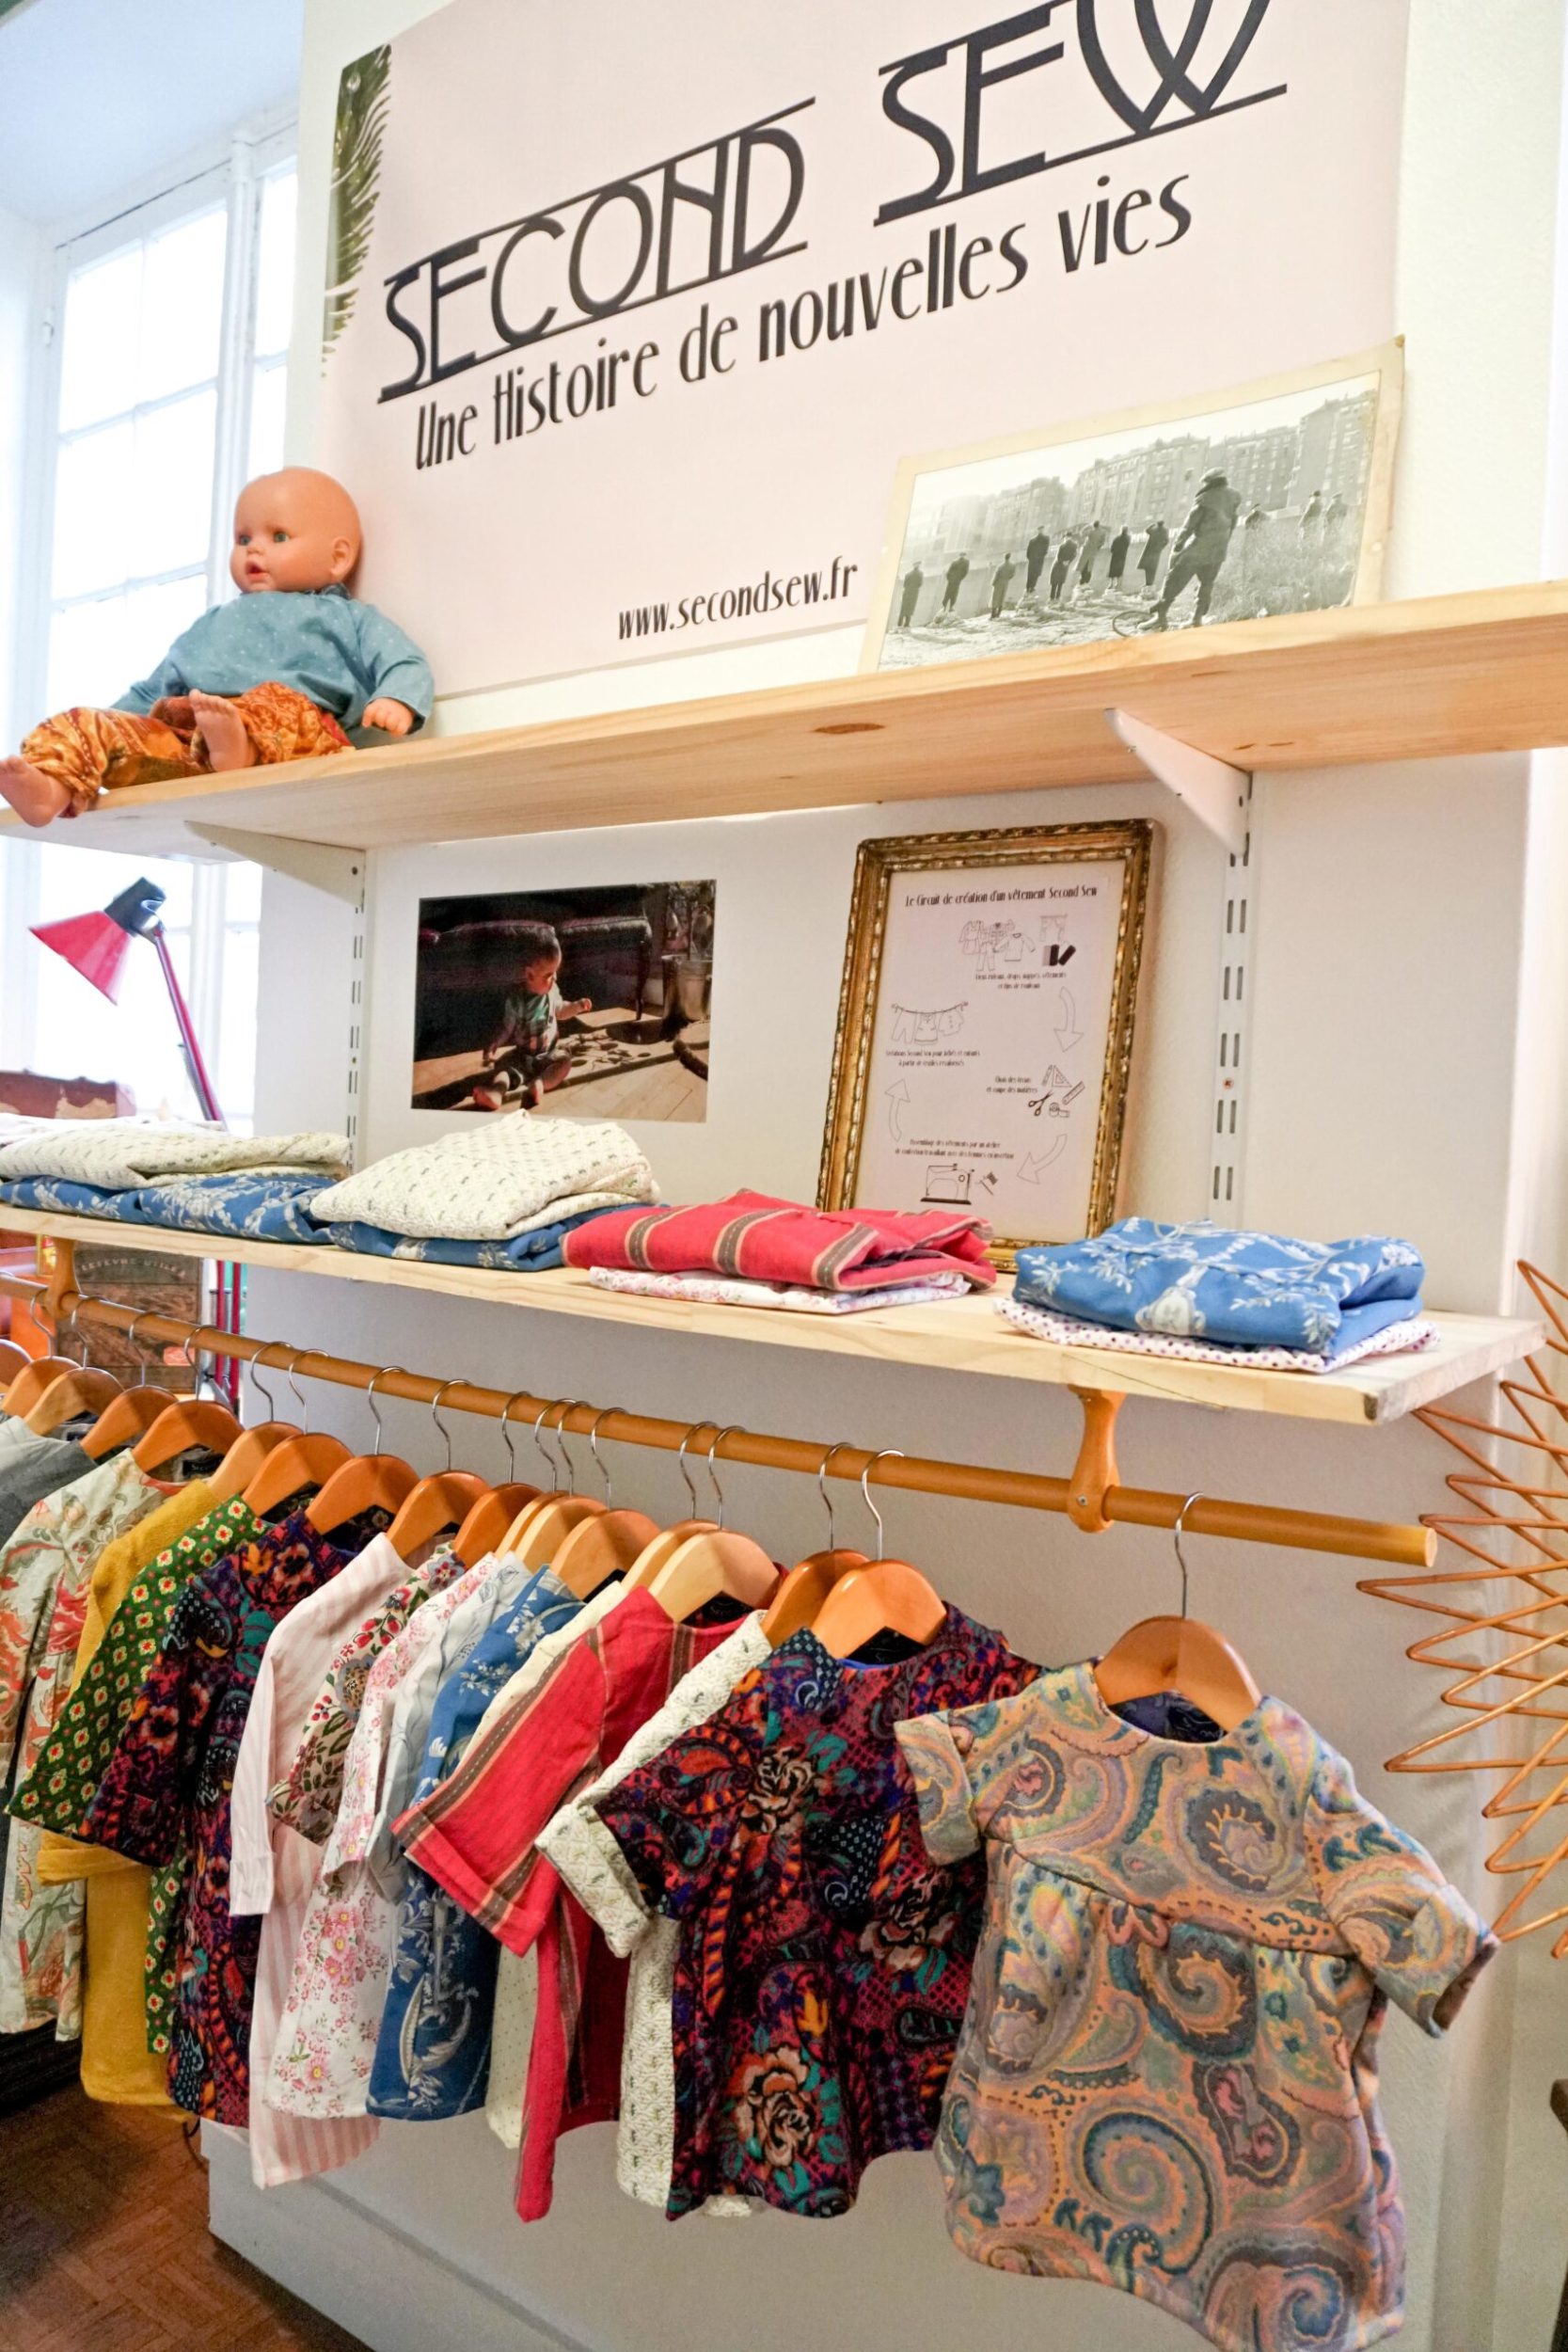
1093, 1497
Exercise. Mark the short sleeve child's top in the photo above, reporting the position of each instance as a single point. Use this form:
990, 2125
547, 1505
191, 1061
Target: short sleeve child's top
1168, 2075
823, 1963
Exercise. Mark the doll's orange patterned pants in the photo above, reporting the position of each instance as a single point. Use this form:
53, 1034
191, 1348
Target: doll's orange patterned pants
91, 752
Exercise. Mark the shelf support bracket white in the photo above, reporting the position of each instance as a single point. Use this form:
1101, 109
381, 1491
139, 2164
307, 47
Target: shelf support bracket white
340, 872
1214, 790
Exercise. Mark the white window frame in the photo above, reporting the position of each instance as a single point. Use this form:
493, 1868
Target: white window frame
228, 171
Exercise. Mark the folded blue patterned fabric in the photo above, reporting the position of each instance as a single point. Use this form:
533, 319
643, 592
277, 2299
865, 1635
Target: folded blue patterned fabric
277, 1208
534, 1253
1237, 1289
244, 1206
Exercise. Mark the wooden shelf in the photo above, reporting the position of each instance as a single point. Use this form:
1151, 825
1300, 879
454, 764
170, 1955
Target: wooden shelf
958, 1336
1442, 676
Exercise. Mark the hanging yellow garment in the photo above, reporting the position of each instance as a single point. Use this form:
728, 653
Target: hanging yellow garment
116, 2065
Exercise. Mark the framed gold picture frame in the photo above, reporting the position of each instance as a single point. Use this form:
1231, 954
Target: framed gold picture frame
985, 1026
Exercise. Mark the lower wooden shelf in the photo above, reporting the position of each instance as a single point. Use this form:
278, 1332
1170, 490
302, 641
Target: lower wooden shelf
963, 1335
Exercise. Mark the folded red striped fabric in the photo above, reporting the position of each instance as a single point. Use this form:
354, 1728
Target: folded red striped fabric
782, 1240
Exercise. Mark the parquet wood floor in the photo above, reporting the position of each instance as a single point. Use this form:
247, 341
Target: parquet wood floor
104, 2247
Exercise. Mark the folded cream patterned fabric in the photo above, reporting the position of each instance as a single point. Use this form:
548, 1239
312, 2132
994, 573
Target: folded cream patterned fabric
493, 1181
120, 1154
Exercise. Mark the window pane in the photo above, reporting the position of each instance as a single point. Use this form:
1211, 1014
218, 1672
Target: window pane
88, 661
154, 618
274, 265
94, 541
235, 1075
181, 315
242, 902
268, 392
102, 307
173, 500
73, 882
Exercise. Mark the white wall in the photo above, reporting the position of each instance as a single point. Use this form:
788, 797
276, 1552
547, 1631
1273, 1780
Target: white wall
1406, 1018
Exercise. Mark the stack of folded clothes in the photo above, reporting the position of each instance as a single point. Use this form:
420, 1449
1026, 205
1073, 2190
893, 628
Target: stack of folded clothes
503, 1196
1209, 1295
201, 1179
751, 1250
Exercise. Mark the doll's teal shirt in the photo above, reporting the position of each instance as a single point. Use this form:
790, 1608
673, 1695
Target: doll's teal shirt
340, 654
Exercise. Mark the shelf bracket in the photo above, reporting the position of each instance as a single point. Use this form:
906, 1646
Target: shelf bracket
1214, 790
1095, 1472
340, 872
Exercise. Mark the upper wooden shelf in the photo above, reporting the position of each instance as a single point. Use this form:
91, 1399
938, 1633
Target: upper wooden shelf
964, 1335
1441, 676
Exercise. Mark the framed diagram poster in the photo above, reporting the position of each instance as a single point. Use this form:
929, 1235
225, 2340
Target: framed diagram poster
985, 1026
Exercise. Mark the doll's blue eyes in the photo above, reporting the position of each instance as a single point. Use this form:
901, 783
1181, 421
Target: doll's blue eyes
279, 537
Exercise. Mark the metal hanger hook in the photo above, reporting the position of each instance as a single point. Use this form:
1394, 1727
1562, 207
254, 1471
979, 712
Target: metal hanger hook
822, 1469
680, 1463
593, 1449
300, 1398
570, 1405
732, 1430
256, 1379
436, 1414
1180, 1555
551, 1464
888, 1453
375, 1409
506, 1433
137, 1348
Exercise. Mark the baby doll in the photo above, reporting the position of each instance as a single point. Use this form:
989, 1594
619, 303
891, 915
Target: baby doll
277, 674
524, 1059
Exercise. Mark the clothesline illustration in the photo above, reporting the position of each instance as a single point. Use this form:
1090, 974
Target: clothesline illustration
912, 1027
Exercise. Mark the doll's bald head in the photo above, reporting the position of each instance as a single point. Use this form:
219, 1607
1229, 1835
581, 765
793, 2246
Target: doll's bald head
293, 530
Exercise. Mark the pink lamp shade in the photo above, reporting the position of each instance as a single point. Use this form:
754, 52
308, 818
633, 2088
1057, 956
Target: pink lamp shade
93, 945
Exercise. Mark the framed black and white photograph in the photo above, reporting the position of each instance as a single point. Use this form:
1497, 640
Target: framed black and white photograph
591, 1002
1273, 498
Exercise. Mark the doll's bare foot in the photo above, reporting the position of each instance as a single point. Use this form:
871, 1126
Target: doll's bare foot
37, 799
222, 730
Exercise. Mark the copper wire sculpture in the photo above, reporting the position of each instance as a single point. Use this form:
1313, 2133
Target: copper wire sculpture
1505, 1620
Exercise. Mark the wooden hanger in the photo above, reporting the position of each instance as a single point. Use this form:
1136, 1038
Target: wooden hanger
244, 1458
537, 1535
297, 1464
484, 1529
434, 1505
805, 1588
657, 1554
190, 1422
885, 1597
1179, 1654
713, 1563
82, 1390
13, 1361
124, 1419
31, 1381
606, 1543
366, 1482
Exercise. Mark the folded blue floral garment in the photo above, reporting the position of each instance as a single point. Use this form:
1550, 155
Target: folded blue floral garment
277, 1208
245, 1206
1240, 1290
534, 1252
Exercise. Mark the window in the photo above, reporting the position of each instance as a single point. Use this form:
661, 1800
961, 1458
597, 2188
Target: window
170, 362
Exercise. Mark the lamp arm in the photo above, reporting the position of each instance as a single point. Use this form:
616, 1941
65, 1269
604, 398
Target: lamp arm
189, 1045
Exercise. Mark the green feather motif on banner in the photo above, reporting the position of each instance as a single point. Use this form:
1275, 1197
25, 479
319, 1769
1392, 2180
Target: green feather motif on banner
364, 95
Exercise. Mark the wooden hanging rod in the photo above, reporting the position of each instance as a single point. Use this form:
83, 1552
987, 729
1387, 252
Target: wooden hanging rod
1092, 1497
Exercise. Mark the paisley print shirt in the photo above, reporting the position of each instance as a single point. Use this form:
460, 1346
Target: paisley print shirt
1167, 2080
824, 1960
169, 1782
44, 1573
